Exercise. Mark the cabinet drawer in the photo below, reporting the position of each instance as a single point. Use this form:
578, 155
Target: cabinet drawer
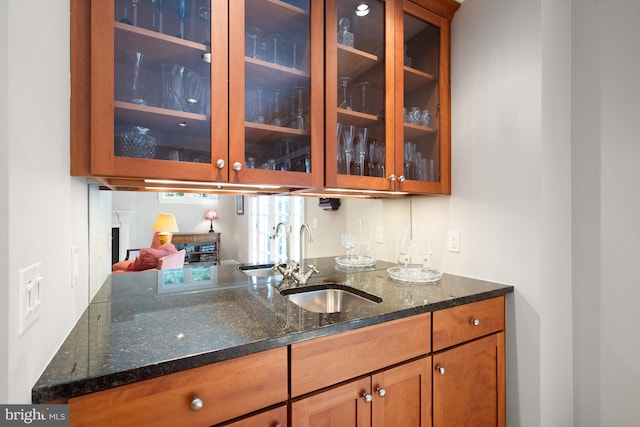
271, 418
326, 361
465, 322
227, 389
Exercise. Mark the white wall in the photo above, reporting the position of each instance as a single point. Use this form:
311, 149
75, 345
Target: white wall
511, 189
606, 205
46, 209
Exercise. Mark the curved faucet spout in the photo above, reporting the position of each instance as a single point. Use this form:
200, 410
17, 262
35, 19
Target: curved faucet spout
300, 276
284, 225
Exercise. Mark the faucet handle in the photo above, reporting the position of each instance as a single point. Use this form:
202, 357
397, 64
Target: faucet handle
312, 267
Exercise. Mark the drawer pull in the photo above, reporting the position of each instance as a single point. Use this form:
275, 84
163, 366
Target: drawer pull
367, 397
220, 163
237, 166
475, 322
381, 391
440, 369
196, 404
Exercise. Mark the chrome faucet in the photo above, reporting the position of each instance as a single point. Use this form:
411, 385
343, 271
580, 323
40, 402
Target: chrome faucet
300, 276
285, 269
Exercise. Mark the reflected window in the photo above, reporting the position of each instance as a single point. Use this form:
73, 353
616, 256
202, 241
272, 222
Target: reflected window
265, 213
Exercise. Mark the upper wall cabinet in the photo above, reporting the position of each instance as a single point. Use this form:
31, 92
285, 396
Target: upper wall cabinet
154, 75
294, 93
152, 90
276, 90
387, 95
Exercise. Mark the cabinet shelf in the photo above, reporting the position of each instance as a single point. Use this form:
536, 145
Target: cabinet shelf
356, 118
276, 15
262, 133
163, 46
353, 62
415, 79
267, 74
160, 119
416, 131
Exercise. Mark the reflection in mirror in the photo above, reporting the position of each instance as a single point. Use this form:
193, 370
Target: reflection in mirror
123, 220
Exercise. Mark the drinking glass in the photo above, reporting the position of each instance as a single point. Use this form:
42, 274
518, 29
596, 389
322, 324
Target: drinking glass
254, 33
348, 134
193, 89
135, 88
300, 119
160, 4
379, 159
181, 5
344, 82
348, 242
293, 52
361, 149
259, 113
205, 14
172, 86
276, 43
134, 4
363, 91
340, 150
276, 114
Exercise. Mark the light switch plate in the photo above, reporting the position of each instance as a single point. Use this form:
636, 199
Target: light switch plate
29, 282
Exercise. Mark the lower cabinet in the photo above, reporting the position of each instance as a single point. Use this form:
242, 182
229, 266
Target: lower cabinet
469, 365
276, 417
468, 384
201, 396
398, 396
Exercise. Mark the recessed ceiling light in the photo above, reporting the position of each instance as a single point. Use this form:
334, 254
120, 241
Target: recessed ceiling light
362, 9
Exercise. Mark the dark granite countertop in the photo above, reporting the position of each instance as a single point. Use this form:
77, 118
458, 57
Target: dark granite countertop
148, 324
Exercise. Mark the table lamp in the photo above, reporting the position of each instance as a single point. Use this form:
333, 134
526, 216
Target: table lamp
165, 225
211, 215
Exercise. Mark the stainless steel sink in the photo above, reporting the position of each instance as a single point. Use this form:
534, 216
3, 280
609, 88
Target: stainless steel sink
330, 297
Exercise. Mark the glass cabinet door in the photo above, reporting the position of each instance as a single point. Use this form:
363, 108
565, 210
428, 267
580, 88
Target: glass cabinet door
424, 159
275, 85
157, 56
359, 132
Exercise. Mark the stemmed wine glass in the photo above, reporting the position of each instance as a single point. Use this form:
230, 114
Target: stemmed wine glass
160, 4
363, 90
348, 133
300, 120
276, 43
254, 33
182, 13
259, 116
205, 14
344, 81
276, 116
134, 3
349, 243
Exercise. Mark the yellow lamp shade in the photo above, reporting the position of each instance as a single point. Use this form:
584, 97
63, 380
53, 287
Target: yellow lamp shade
165, 225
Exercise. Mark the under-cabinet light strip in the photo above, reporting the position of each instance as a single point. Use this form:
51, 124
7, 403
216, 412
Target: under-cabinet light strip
219, 185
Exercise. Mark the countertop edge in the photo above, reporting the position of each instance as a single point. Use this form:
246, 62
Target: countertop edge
49, 393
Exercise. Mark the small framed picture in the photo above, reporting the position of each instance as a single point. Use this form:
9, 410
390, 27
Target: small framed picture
240, 205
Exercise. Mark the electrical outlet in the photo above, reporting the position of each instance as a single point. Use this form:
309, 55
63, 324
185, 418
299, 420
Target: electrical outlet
75, 267
379, 235
29, 310
314, 223
454, 241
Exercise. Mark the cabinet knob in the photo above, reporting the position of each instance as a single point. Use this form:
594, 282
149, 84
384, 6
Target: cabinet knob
367, 397
220, 163
401, 178
475, 322
237, 166
392, 177
440, 369
206, 57
196, 404
381, 391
